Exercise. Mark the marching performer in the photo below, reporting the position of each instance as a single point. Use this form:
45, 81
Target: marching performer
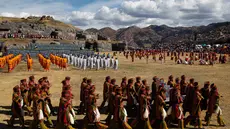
16, 107
213, 106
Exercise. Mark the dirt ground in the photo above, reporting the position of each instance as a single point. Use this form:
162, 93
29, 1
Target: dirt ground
218, 74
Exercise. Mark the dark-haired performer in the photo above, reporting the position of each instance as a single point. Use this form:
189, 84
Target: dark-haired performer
93, 114
176, 106
46, 104
144, 109
160, 111
189, 97
38, 112
16, 107
106, 91
196, 110
65, 113
31, 85
205, 92
25, 92
213, 106
82, 96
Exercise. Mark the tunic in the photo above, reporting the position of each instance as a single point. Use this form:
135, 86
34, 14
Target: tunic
175, 101
106, 90
116, 64
189, 98
84, 63
213, 101
98, 64
183, 86
160, 103
204, 102
154, 90
16, 106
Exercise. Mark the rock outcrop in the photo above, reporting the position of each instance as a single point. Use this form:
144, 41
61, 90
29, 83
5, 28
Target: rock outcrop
43, 26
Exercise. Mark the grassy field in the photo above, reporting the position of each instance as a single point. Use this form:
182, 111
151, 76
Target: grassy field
218, 74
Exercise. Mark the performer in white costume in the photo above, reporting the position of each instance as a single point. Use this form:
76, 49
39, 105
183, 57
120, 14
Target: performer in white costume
116, 64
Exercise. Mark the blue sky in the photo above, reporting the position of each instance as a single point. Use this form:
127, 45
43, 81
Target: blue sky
122, 13
78, 3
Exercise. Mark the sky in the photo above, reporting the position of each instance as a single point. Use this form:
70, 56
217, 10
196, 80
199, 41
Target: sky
122, 13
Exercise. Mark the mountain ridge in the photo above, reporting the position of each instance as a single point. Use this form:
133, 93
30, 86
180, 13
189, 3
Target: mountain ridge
154, 35
134, 36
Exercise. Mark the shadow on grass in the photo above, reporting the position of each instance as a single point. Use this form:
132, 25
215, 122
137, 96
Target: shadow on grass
6, 111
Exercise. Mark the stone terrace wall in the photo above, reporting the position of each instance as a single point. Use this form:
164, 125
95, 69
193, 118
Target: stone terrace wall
47, 49
104, 46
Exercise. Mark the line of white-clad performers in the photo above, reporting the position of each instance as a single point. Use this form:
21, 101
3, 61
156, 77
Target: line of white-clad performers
94, 61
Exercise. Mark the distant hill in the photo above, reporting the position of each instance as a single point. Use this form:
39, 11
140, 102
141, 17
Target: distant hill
153, 34
37, 25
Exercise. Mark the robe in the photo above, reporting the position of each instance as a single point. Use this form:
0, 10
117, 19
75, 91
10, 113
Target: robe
84, 63
116, 64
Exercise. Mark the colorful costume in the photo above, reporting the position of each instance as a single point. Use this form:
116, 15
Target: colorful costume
160, 111
105, 91
65, 114
213, 107
175, 103
16, 107
195, 109
38, 111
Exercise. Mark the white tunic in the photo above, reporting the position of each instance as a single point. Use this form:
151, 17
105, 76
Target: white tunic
91, 63
78, 61
95, 60
102, 62
88, 61
98, 64
75, 61
72, 60
64, 55
68, 58
81, 62
84, 63
108, 62
112, 63
116, 64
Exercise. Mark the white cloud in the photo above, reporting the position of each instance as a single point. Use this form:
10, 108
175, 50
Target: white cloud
7, 14
81, 18
23, 14
123, 13
178, 12
20, 15
149, 8
115, 16
105, 16
25, 8
95, 6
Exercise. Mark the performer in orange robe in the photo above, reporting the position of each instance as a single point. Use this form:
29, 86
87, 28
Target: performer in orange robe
57, 61
29, 62
1, 62
10, 65
64, 63
47, 64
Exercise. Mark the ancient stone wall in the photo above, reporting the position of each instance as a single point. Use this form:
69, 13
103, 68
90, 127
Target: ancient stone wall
104, 46
47, 49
